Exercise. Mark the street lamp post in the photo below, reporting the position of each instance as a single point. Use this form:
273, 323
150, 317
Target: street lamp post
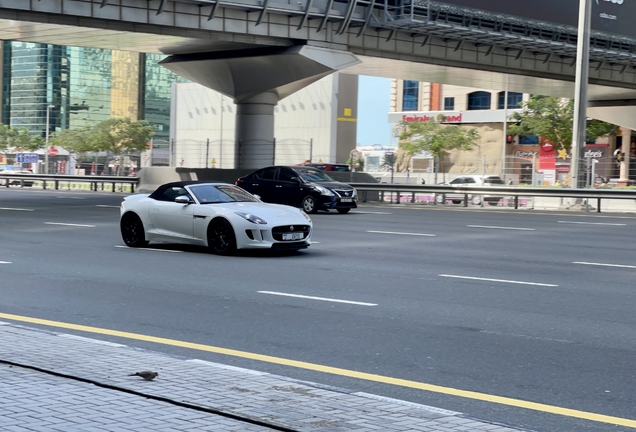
46, 155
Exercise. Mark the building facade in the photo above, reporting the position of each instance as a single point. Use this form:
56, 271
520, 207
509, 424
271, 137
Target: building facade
522, 159
317, 123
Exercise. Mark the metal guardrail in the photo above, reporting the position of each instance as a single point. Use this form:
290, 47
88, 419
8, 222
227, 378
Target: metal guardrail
94, 181
504, 191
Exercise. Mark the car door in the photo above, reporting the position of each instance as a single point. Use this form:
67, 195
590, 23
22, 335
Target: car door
288, 187
262, 183
170, 218
459, 181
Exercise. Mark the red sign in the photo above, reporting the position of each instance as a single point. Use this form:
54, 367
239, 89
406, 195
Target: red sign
52, 151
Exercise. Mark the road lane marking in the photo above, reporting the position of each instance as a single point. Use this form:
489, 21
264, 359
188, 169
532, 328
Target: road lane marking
5, 262
500, 227
401, 233
69, 224
15, 209
591, 223
368, 212
604, 265
147, 249
467, 394
317, 298
498, 280
106, 206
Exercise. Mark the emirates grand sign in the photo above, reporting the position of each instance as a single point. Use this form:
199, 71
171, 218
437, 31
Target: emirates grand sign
440, 118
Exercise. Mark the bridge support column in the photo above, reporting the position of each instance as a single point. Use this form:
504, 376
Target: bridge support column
255, 130
257, 79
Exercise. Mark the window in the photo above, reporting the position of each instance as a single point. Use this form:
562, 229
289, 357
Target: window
514, 100
479, 100
171, 193
528, 140
287, 175
266, 173
410, 95
449, 103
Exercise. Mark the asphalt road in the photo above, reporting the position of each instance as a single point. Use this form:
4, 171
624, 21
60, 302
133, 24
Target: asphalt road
529, 305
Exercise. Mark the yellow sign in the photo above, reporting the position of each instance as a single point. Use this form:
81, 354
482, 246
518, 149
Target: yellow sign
347, 112
563, 154
347, 119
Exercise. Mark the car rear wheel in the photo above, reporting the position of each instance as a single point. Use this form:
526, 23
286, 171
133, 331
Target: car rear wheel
456, 201
343, 211
221, 238
309, 204
132, 231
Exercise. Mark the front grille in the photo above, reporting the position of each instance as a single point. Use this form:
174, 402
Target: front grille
344, 192
277, 232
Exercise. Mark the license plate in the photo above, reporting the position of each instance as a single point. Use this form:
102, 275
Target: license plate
293, 236
346, 199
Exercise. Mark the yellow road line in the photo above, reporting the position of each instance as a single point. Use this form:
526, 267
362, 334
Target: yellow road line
567, 412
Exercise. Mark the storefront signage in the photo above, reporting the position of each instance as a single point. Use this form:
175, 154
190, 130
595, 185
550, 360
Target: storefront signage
525, 154
440, 118
594, 154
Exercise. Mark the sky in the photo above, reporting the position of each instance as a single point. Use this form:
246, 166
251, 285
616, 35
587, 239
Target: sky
374, 96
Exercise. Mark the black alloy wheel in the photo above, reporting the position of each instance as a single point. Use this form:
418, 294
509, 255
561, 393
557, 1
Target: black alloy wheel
343, 211
221, 238
132, 231
309, 204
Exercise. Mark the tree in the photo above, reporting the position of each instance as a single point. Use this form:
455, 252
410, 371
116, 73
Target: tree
552, 119
19, 139
436, 139
120, 136
74, 140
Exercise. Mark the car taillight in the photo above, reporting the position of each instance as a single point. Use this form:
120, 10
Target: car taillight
238, 182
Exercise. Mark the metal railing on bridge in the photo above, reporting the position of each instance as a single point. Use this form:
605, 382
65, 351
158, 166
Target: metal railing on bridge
57, 179
465, 192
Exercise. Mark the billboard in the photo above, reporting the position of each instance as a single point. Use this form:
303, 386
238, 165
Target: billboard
608, 16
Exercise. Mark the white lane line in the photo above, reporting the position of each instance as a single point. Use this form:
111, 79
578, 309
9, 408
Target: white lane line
592, 223
317, 298
106, 206
604, 265
147, 249
5, 262
369, 212
500, 227
15, 209
71, 197
401, 233
69, 224
498, 280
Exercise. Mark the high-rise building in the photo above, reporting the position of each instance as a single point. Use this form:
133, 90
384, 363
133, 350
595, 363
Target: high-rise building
83, 86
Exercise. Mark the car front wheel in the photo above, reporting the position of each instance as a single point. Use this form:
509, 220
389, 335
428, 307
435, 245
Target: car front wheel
132, 231
221, 238
309, 204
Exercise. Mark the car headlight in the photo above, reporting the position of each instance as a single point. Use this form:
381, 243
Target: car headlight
251, 218
306, 216
323, 190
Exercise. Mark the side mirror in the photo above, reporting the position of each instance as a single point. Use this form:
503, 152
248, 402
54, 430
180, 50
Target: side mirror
182, 199
258, 197
295, 179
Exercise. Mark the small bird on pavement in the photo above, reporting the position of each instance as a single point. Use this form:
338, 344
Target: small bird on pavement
147, 375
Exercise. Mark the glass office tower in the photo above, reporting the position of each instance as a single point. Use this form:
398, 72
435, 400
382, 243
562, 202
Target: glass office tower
85, 86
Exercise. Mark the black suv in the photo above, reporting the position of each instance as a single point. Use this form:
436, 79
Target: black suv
300, 186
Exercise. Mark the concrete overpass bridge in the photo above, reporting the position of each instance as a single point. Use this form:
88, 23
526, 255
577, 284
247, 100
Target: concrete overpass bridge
260, 51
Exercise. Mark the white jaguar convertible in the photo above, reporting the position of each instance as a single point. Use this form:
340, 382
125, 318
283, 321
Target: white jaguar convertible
221, 216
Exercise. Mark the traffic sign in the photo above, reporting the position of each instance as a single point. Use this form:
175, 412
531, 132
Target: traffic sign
27, 158
52, 151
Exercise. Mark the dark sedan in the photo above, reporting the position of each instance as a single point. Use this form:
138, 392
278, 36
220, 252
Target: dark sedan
300, 186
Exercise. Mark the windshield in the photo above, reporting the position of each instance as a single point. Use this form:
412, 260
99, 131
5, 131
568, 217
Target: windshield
493, 180
211, 194
313, 175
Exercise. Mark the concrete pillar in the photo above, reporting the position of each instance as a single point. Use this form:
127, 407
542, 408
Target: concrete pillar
255, 130
626, 135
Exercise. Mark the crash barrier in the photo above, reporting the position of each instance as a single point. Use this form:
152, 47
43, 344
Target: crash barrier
57, 179
512, 192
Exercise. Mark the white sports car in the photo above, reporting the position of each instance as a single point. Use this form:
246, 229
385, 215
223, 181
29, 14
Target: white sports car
221, 216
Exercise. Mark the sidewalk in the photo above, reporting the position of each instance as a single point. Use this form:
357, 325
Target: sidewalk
59, 382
